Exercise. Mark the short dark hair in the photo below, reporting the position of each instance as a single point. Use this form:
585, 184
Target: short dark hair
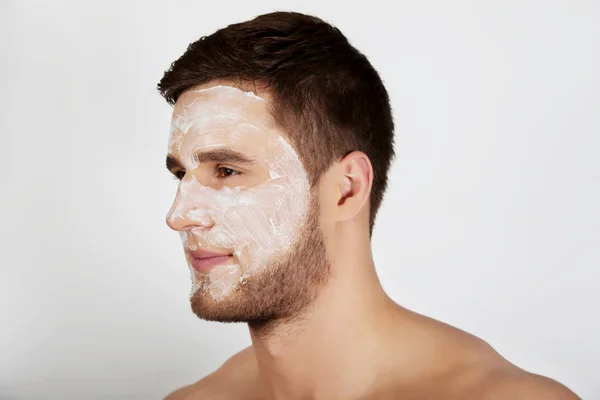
326, 95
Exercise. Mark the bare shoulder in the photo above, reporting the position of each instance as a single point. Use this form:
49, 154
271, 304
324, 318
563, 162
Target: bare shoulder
499, 379
491, 377
236, 377
496, 378
518, 384
472, 368
485, 375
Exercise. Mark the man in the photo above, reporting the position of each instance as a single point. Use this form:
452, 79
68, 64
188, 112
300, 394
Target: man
282, 137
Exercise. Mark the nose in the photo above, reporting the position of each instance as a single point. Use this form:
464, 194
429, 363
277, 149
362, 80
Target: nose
179, 222
192, 207
180, 219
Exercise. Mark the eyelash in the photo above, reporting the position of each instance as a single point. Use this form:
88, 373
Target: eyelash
234, 172
178, 175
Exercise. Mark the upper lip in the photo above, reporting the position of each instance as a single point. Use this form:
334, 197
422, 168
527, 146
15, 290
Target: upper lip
201, 253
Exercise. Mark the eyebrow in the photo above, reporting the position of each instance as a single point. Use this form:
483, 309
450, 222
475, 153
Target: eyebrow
217, 155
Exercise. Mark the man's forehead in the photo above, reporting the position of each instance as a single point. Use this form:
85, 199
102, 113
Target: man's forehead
218, 96
203, 108
212, 115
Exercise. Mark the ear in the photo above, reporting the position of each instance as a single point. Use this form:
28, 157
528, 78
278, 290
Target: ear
355, 178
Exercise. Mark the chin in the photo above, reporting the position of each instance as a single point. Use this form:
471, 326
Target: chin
238, 306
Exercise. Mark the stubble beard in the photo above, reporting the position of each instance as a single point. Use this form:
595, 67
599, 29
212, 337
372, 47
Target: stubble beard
282, 290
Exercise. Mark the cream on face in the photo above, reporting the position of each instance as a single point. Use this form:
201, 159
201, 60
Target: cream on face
257, 214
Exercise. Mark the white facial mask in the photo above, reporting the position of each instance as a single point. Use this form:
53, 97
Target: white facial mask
259, 223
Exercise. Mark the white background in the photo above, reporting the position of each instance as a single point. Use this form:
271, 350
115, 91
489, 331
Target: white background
491, 222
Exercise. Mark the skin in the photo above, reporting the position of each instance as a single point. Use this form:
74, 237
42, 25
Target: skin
263, 214
348, 339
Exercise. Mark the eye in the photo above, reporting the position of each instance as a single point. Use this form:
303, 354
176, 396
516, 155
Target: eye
224, 172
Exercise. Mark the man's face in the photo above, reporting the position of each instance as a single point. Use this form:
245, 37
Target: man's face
243, 207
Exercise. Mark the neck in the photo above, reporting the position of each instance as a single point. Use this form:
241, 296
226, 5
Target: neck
331, 349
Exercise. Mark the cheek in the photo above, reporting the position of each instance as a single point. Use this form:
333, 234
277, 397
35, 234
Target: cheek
262, 216
266, 223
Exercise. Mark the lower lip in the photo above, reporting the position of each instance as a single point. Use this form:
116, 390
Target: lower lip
206, 264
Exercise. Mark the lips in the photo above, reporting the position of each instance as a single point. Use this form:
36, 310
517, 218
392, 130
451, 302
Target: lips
205, 260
